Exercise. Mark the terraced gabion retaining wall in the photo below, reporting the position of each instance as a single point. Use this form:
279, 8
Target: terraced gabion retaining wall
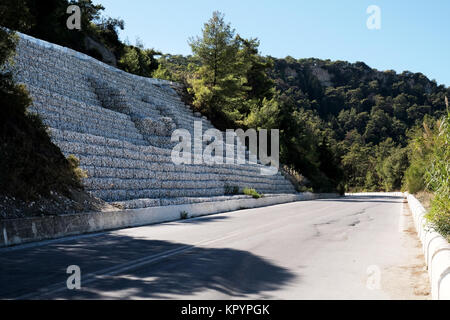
119, 126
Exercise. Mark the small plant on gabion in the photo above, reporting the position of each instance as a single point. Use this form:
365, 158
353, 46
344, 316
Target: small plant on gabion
253, 193
231, 190
74, 164
184, 215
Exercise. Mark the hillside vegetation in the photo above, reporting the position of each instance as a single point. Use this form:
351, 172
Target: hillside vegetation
429, 169
368, 114
344, 126
35, 177
98, 36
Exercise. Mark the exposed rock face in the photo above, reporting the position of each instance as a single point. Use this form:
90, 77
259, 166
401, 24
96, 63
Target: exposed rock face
119, 125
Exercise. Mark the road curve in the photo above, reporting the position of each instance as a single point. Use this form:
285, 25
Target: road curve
347, 248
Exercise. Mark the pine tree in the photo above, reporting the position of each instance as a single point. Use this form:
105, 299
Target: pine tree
218, 84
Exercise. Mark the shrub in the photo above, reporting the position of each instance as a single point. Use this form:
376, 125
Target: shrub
231, 190
74, 164
414, 178
184, 215
252, 192
139, 61
437, 177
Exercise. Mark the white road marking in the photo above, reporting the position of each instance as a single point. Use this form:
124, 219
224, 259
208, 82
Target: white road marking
114, 270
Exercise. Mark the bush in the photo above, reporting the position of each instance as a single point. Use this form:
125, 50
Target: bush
437, 177
184, 215
231, 190
252, 192
414, 178
429, 169
139, 61
74, 164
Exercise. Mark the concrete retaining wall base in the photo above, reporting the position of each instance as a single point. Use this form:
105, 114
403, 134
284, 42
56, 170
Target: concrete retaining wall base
436, 250
20, 231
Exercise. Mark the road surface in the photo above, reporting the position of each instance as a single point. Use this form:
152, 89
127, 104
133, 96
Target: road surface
347, 248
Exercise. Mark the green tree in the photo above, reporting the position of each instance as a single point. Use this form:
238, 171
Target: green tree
356, 165
139, 61
217, 50
219, 84
255, 68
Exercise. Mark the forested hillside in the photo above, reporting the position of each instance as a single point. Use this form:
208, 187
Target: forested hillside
369, 113
344, 126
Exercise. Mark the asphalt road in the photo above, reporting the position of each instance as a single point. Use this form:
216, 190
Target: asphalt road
348, 248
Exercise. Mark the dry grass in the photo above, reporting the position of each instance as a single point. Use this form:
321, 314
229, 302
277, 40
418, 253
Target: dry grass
425, 197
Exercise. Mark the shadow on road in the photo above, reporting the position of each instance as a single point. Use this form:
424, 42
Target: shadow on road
205, 219
228, 271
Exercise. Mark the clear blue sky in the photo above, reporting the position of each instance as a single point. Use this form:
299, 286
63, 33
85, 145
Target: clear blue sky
414, 35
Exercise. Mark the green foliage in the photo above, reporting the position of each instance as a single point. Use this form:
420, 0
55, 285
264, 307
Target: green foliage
438, 178
374, 168
300, 183
231, 84
231, 190
74, 164
176, 68
265, 115
359, 109
230, 78
391, 169
217, 50
420, 149
139, 61
7, 46
105, 30
15, 15
184, 215
218, 83
47, 20
430, 169
162, 73
414, 178
342, 125
30, 165
252, 192
357, 168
